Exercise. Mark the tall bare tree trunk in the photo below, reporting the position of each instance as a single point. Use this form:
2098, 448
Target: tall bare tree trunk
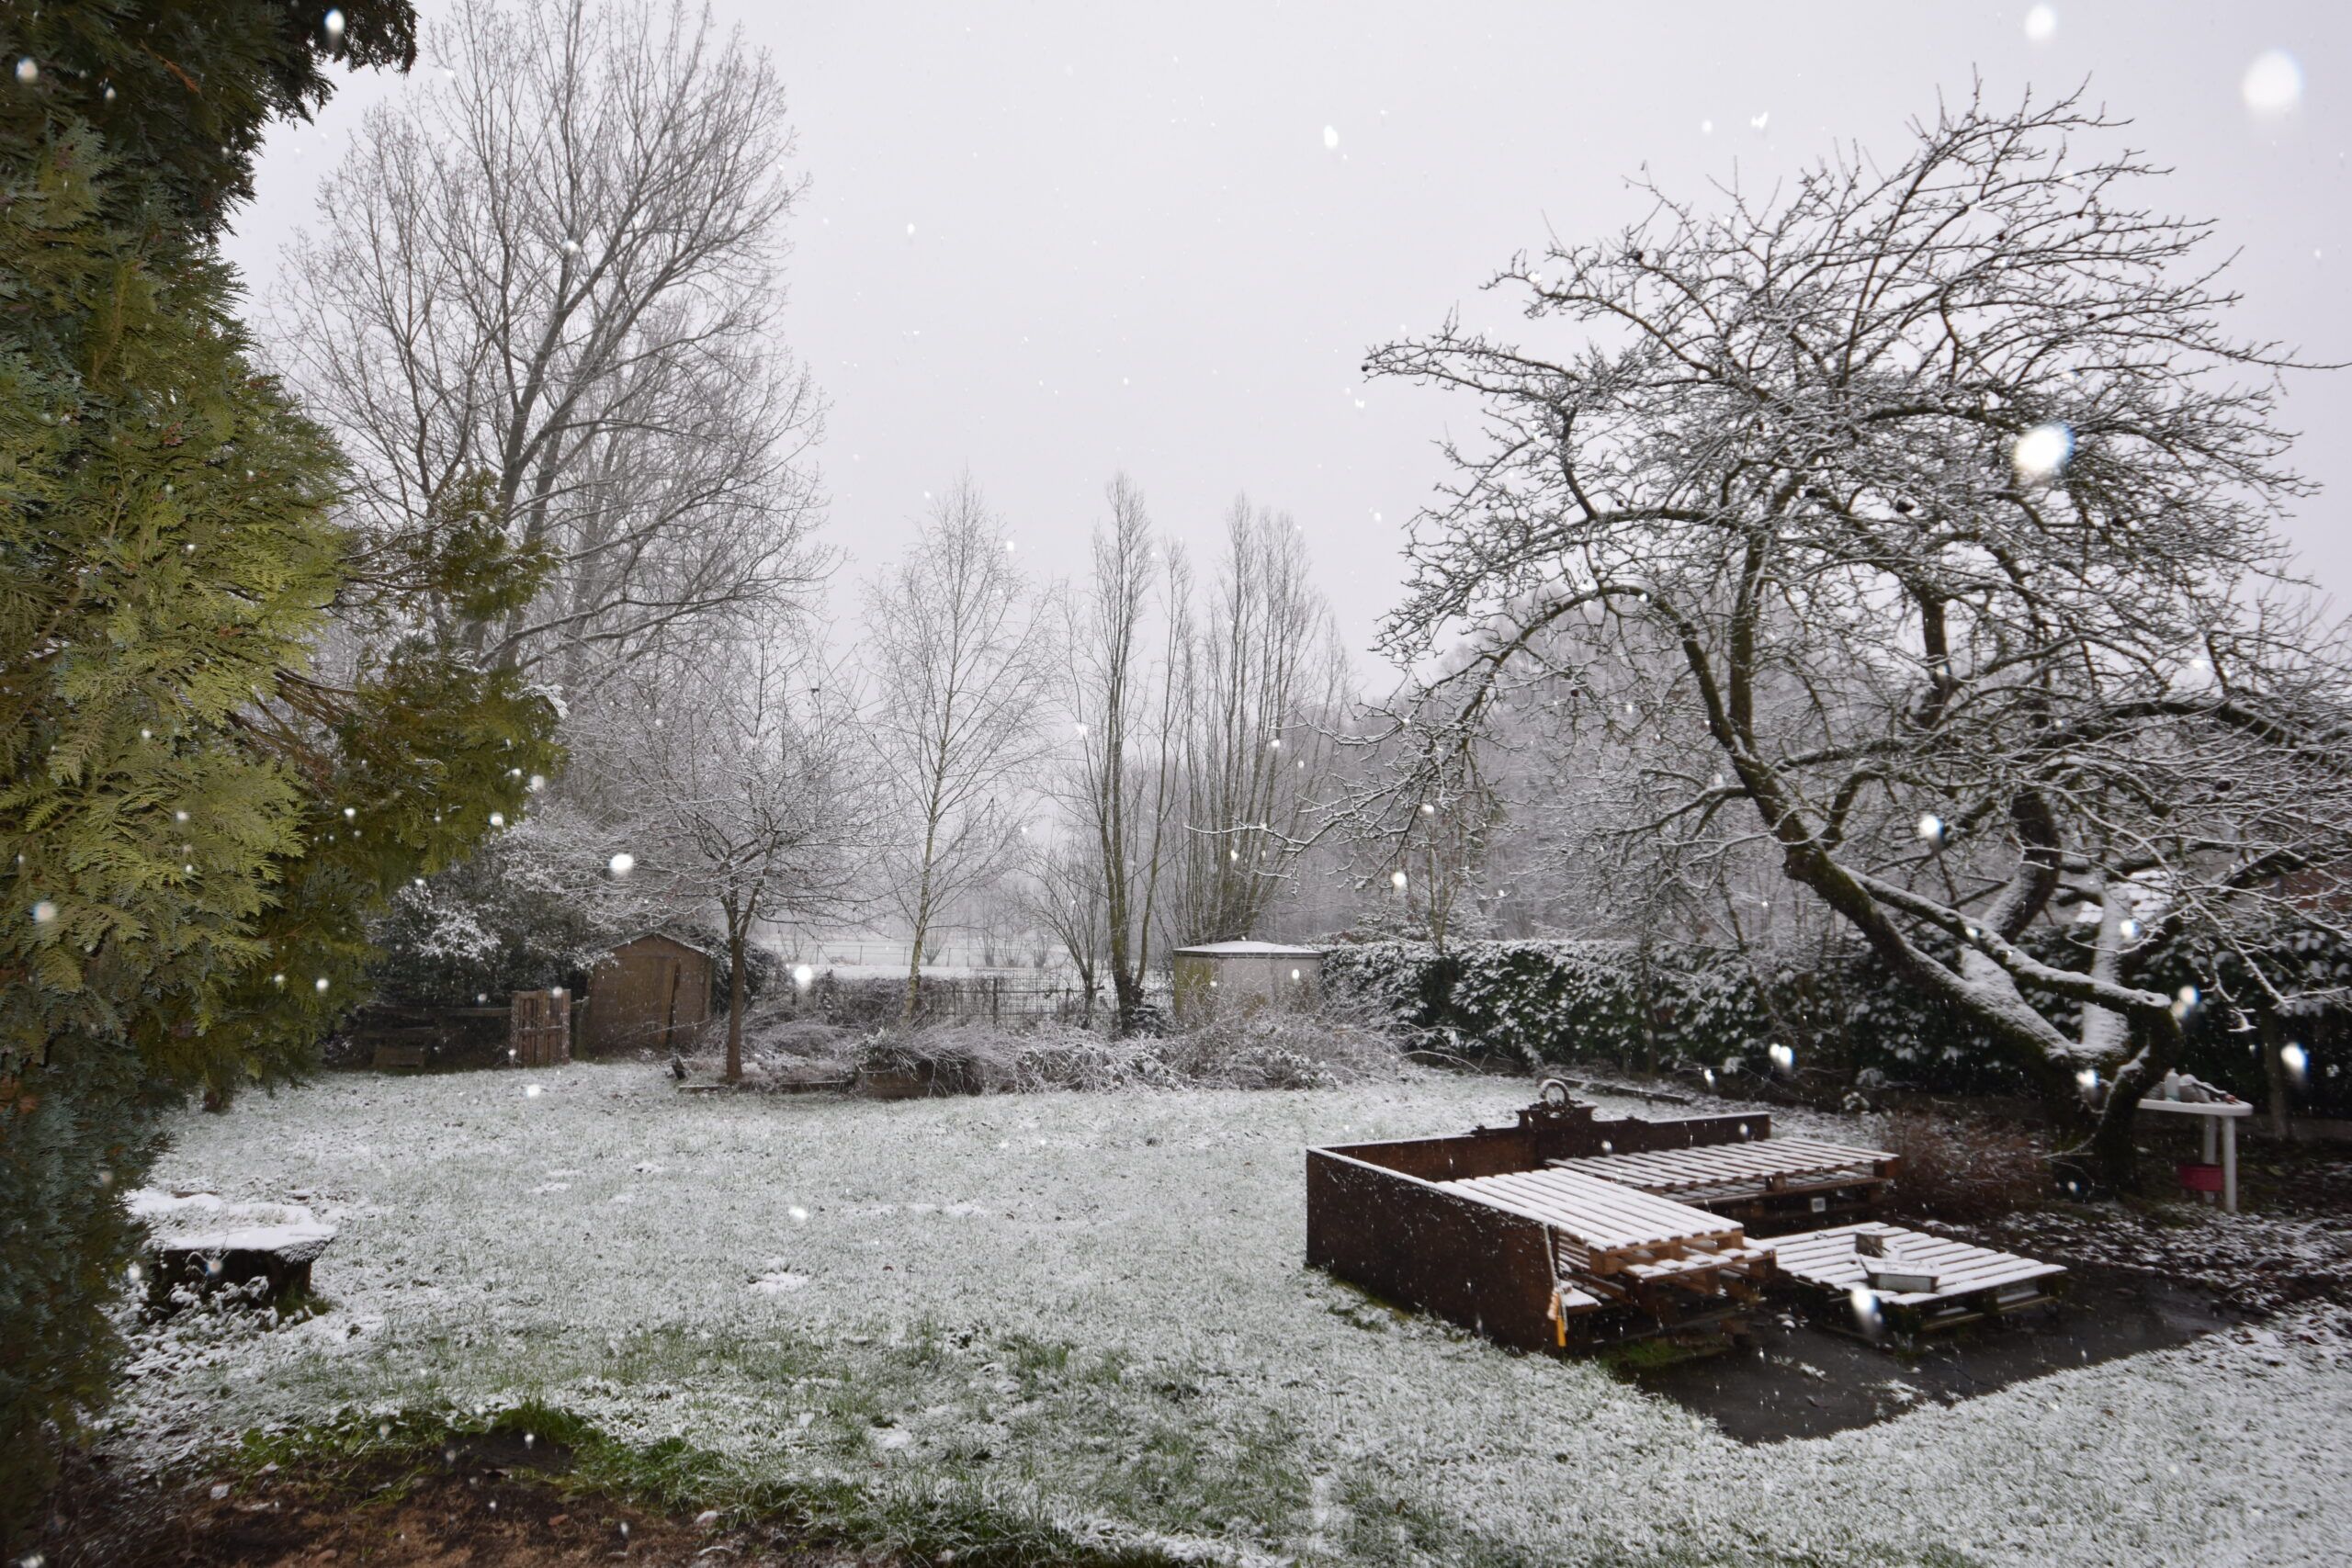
2273, 1073
738, 921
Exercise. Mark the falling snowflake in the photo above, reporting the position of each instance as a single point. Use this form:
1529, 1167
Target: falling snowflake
2040, 23
1330, 138
2041, 453
2273, 84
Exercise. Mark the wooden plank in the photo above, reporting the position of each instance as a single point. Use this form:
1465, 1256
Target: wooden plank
1786, 1155
1602, 1213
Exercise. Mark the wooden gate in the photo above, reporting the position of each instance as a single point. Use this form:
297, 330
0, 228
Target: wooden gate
540, 1033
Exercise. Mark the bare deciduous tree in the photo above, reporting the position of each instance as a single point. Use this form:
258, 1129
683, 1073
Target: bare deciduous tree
752, 793
1126, 632
1062, 892
1265, 676
552, 263
1950, 499
960, 645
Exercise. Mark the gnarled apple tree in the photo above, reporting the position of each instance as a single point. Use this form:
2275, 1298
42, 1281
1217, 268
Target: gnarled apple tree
1918, 522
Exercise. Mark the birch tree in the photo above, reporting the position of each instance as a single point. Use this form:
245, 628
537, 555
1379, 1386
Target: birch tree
1948, 500
549, 268
959, 646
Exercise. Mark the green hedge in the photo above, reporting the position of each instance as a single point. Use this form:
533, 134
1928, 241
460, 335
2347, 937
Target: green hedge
75, 1134
1684, 1009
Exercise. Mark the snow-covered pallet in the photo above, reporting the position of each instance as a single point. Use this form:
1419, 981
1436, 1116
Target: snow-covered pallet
1772, 1173
1968, 1283
1613, 1246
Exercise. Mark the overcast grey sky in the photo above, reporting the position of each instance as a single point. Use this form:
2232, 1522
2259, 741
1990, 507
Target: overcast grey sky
1051, 241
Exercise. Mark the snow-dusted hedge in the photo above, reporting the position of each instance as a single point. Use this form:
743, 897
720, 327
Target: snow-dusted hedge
1568, 1002
1564, 1002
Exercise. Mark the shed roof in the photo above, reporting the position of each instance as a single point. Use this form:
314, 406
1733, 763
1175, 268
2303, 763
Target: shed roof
670, 937
1247, 950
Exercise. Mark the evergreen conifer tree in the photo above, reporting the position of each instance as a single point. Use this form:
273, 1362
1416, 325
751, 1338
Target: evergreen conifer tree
196, 817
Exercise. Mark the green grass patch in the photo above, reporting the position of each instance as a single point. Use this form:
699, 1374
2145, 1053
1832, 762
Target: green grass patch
371, 1461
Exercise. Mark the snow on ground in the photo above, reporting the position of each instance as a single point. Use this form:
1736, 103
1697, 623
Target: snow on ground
1096, 1305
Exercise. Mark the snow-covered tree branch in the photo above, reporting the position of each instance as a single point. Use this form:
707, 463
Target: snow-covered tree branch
1934, 505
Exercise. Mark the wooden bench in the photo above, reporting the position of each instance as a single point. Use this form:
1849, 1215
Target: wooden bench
199, 1244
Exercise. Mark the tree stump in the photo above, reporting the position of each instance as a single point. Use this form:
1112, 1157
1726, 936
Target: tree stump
199, 1244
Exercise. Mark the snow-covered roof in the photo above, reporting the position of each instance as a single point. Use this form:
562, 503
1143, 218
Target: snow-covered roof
687, 943
1247, 950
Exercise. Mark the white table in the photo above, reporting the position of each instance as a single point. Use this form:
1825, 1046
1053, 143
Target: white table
2224, 1117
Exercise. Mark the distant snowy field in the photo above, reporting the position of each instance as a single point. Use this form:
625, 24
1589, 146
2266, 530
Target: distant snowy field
1095, 1306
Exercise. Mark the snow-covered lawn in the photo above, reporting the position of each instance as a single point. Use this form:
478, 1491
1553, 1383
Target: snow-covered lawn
1095, 1305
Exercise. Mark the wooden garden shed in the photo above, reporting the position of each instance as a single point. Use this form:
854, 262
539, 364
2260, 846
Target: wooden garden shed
652, 992
1245, 974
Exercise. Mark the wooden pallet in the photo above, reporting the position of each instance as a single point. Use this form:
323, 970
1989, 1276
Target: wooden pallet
1972, 1282
1713, 1175
1615, 1247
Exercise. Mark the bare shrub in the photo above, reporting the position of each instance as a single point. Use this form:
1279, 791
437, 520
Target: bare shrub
781, 1052
1269, 1050
1962, 1168
774, 1034
1278, 1050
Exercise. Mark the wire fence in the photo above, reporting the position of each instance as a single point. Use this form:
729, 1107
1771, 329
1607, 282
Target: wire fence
867, 1003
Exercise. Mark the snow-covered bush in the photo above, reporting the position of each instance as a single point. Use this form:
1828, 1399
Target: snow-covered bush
1277, 1048
526, 912
782, 1035
1662, 1007
1565, 1002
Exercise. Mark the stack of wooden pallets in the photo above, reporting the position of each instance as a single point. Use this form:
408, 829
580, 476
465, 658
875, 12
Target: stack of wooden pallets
1615, 1245
1621, 1225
